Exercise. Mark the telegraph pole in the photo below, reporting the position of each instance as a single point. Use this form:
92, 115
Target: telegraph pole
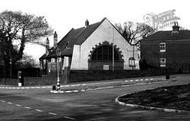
113, 63
57, 69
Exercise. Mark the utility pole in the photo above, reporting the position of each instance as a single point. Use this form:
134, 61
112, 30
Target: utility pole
113, 63
57, 69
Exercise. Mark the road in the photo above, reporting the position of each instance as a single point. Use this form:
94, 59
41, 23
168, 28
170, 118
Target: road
92, 105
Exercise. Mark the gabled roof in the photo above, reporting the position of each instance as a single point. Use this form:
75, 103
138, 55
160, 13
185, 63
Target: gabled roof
42, 57
74, 37
169, 35
78, 36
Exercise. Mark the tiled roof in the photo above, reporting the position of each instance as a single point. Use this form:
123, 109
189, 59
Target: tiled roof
43, 56
168, 35
78, 36
73, 37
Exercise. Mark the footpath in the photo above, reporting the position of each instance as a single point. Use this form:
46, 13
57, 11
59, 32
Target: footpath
105, 84
94, 84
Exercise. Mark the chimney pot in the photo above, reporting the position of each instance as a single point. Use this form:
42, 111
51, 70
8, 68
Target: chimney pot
86, 23
55, 39
175, 26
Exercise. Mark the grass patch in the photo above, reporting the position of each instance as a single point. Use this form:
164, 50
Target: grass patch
174, 97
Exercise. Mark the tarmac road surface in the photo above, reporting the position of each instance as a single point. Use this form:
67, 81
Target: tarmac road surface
93, 105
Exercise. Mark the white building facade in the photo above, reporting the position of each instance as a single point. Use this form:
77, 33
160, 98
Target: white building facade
99, 46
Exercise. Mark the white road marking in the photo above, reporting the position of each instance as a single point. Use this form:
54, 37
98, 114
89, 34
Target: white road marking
89, 89
38, 110
10, 103
66, 86
44, 87
83, 84
75, 91
18, 105
82, 90
69, 117
52, 113
28, 107
3, 101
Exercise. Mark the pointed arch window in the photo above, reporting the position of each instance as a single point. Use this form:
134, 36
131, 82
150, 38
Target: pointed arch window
105, 53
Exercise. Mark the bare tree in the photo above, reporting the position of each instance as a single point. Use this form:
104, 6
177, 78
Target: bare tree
17, 28
133, 32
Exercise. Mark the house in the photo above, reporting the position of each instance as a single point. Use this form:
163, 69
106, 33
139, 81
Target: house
98, 46
167, 49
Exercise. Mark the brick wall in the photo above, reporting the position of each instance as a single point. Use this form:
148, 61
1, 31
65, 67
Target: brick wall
177, 54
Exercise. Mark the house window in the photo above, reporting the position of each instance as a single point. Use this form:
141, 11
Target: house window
162, 62
162, 47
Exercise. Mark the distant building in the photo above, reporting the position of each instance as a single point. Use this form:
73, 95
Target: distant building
98, 46
167, 49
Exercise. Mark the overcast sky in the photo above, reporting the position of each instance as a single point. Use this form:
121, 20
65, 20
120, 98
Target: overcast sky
62, 15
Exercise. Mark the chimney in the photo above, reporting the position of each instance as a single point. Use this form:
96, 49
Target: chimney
175, 28
55, 39
47, 45
86, 23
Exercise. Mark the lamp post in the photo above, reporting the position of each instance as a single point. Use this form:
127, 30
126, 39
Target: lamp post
57, 69
113, 61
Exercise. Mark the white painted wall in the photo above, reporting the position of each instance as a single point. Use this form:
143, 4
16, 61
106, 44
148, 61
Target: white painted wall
76, 58
105, 32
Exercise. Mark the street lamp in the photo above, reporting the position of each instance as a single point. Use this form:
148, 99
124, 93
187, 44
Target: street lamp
57, 68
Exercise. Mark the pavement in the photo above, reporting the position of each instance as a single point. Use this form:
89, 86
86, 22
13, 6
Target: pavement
94, 84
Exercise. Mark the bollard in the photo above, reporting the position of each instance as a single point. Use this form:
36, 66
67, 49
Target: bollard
20, 79
53, 87
167, 76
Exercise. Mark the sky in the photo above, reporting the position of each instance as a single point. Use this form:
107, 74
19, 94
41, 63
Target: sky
62, 15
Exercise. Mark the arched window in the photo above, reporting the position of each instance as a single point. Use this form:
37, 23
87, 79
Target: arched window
105, 53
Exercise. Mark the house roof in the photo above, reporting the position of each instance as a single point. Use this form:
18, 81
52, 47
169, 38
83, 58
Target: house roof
78, 36
43, 56
51, 54
169, 35
73, 37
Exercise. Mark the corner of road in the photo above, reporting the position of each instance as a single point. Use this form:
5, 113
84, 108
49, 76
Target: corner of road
177, 80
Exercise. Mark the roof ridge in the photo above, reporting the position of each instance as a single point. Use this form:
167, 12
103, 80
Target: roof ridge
99, 23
